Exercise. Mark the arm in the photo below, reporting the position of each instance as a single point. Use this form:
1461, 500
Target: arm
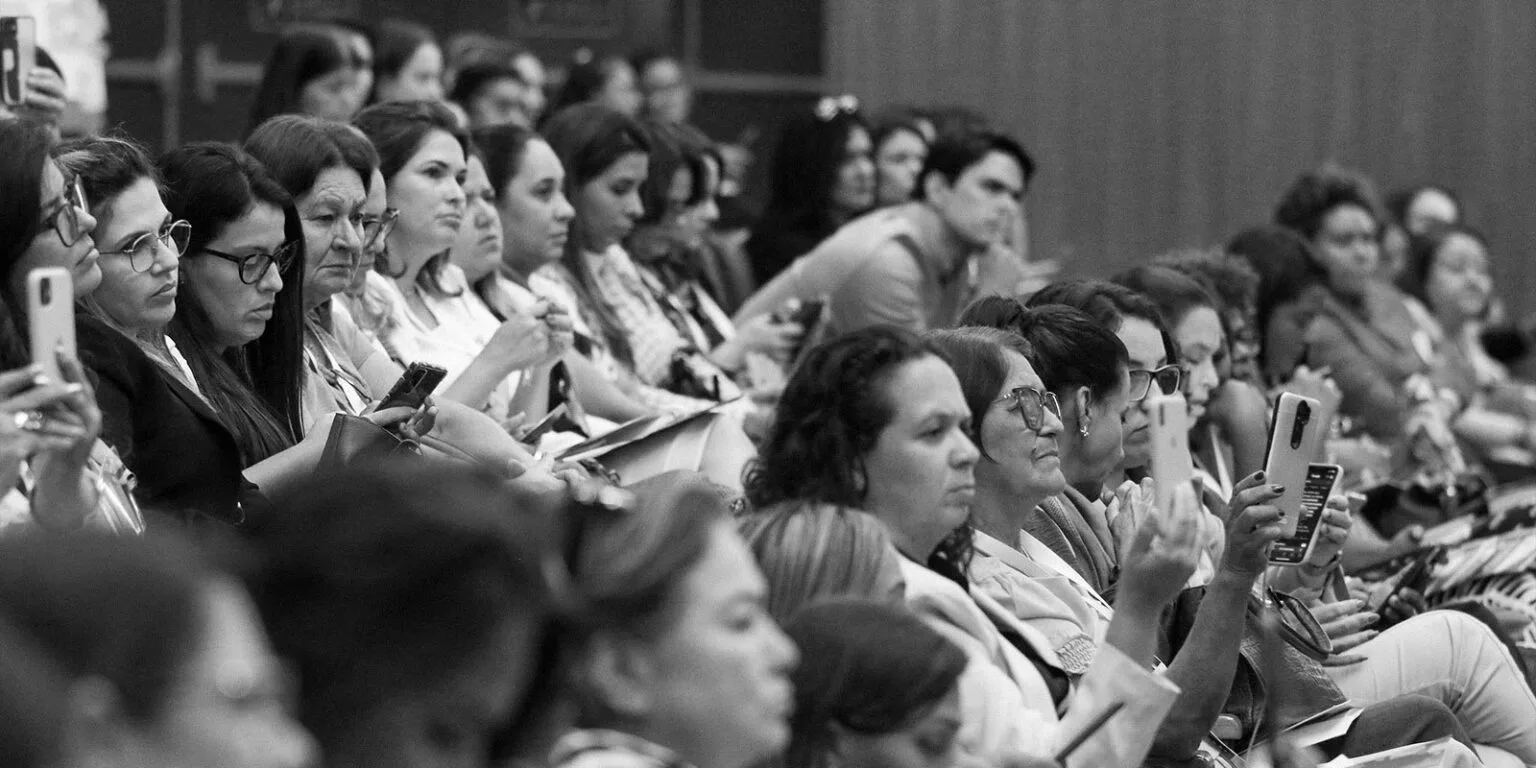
885, 290
599, 396
1374, 401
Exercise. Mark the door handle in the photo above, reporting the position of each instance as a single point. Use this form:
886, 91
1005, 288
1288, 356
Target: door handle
212, 72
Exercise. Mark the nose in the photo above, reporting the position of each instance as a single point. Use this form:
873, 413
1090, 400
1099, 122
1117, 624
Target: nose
294, 747
351, 239
485, 215
272, 281
967, 455
165, 258
1051, 426
633, 207
564, 212
87, 222
783, 652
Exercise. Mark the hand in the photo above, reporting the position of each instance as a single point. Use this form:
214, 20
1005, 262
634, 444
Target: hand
562, 331
1164, 552
1404, 605
524, 341
45, 95
766, 335
1406, 541
516, 425
1333, 531
25, 394
62, 498
1253, 523
1132, 504
1348, 627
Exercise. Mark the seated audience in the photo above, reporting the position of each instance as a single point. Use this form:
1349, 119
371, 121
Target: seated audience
1414, 212
607, 81
407, 64
310, 71
900, 151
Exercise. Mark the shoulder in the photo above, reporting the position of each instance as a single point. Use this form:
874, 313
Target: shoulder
108, 353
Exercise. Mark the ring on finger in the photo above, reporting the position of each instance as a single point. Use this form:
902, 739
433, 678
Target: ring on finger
30, 421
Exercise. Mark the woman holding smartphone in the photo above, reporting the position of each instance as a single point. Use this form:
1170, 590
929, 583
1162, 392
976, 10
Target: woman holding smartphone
53, 468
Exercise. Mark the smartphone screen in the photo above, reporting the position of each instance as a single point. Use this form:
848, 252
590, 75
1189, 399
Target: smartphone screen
1315, 490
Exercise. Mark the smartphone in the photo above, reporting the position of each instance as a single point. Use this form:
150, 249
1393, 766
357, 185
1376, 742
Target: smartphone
557, 416
51, 317
18, 53
1294, 435
806, 315
1321, 481
1171, 462
1414, 576
411, 390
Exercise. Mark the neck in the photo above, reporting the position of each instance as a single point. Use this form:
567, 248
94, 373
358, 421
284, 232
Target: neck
954, 246
1000, 514
413, 256
515, 273
1087, 486
1116, 478
1452, 323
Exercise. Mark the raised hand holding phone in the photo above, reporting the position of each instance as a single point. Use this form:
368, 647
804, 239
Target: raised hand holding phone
1295, 438
1169, 432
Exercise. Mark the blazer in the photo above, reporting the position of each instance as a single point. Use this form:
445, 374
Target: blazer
186, 460
1005, 704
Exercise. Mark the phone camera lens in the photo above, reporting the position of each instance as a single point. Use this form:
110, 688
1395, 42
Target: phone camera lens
45, 291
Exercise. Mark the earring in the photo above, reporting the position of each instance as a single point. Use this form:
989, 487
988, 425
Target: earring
1082, 427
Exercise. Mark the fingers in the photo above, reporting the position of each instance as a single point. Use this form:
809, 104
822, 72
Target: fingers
1356, 640
1345, 626
1337, 660
1334, 611
1252, 481
390, 416
41, 397
1256, 494
20, 380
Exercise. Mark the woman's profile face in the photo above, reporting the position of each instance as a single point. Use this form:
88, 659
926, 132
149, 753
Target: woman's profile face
1201, 340
1144, 344
332, 212
898, 161
420, 79
477, 250
48, 249
720, 672
700, 218
331, 96
1459, 284
429, 194
853, 192
608, 206
919, 475
138, 284
1025, 461
1088, 460
931, 740
535, 215
237, 310
231, 704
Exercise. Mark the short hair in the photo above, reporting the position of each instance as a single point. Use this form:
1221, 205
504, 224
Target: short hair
1313, 195
1422, 252
645, 57
301, 55
868, 667
474, 78
585, 78
1067, 348
378, 580
978, 355
1228, 278
1174, 293
1108, 304
296, 149
831, 412
106, 166
810, 551
952, 153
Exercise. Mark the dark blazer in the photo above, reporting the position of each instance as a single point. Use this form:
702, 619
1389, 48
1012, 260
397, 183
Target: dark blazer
187, 463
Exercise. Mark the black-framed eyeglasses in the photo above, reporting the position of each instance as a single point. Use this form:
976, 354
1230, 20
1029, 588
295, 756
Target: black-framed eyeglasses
1032, 404
65, 219
254, 266
376, 228
832, 106
1167, 377
141, 252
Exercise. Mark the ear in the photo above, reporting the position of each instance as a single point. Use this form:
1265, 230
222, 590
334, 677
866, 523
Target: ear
622, 673
93, 720
1082, 400
935, 188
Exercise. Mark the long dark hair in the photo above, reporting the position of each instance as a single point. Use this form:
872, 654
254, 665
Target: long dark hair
255, 388
1175, 293
395, 41
805, 166
21, 200
1108, 304
831, 413
1066, 347
1286, 266
501, 148
397, 130
589, 138
302, 55
868, 667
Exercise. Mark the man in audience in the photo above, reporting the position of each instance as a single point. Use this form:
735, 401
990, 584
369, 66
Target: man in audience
912, 265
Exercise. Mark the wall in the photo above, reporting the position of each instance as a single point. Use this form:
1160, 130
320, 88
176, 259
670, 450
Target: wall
1163, 123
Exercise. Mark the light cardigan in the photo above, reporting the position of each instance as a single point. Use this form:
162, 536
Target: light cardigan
1005, 705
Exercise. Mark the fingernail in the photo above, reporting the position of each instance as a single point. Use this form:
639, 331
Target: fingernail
75, 389
41, 380
1259, 476
1277, 488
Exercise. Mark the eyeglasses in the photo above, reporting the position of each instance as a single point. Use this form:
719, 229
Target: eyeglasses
832, 106
376, 228
1167, 377
65, 219
1032, 404
254, 266
141, 252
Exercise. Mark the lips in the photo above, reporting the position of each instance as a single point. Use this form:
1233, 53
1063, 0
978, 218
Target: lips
263, 311
166, 291
90, 257
455, 219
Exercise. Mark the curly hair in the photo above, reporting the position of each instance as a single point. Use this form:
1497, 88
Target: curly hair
831, 413
1109, 304
1317, 193
1227, 277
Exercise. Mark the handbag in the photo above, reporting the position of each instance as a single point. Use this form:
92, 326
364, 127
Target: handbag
354, 439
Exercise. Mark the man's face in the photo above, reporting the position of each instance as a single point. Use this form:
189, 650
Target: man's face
984, 199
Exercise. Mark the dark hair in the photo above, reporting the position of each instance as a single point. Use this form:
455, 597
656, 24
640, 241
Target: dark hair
589, 138
1314, 195
810, 551
1400, 201
466, 49
302, 55
474, 78
356, 150
804, 172
1108, 304
21, 200
868, 667
379, 580
106, 166
397, 130
585, 78
668, 155
295, 149
129, 610
1227, 278
832, 411
1422, 252
1286, 265
1174, 293
256, 388
952, 153
645, 57
502, 148
886, 122
1066, 347
395, 41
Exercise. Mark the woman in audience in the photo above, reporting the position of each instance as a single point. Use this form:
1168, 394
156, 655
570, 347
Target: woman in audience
430, 314
1448, 270
490, 93
477, 250
54, 469
683, 665
166, 661
408, 63
810, 552
1414, 212
878, 689
823, 175
357, 39
608, 81
876, 419
309, 72
900, 152
1288, 296
411, 600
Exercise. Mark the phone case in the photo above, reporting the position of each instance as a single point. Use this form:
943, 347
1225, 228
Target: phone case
413, 387
18, 52
51, 317
1171, 462
1319, 485
1294, 435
